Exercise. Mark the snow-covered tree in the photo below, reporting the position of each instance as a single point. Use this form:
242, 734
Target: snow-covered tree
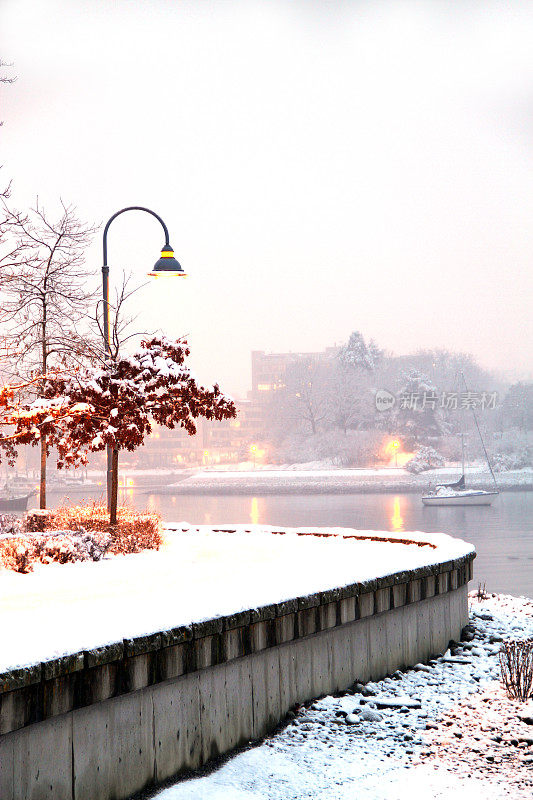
92, 408
418, 412
349, 384
358, 354
518, 406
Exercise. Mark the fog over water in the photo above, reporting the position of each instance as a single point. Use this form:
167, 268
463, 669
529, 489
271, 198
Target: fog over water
322, 167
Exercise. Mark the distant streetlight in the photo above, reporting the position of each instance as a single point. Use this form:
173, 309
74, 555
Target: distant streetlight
253, 451
165, 265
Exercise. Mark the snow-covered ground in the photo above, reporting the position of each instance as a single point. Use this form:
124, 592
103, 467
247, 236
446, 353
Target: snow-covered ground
450, 733
283, 481
199, 574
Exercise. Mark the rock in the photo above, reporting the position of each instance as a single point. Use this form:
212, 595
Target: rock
457, 659
392, 702
468, 633
422, 668
526, 714
369, 715
352, 719
397, 702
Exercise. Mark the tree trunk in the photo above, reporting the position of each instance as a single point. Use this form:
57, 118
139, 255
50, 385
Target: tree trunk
42, 490
114, 489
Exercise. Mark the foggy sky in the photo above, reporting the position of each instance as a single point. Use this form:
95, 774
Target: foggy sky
322, 166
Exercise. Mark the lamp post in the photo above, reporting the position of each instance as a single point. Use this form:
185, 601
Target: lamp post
253, 450
166, 265
396, 445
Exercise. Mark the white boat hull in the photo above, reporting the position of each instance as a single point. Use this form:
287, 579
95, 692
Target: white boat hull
480, 498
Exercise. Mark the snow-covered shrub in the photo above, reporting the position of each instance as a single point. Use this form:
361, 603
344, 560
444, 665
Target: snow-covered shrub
502, 462
10, 524
68, 546
133, 532
16, 554
22, 550
425, 458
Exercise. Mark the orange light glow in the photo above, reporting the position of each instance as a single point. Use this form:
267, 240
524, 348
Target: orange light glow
393, 453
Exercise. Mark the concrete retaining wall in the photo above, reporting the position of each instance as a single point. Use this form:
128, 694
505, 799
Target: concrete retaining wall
105, 723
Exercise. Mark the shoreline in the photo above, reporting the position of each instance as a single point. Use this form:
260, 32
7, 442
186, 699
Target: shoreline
261, 483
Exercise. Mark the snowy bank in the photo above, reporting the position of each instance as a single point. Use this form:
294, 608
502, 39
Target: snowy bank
336, 481
138, 667
198, 574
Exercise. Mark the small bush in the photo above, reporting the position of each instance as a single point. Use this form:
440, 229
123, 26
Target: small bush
503, 462
425, 458
10, 524
516, 664
133, 532
22, 550
75, 533
16, 554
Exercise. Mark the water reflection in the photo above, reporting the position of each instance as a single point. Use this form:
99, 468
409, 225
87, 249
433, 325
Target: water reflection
254, 511
396, 519
500, 532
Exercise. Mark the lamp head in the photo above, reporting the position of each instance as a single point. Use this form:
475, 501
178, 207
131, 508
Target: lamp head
167, 265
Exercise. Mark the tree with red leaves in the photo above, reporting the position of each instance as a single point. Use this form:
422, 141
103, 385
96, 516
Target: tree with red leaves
92, 408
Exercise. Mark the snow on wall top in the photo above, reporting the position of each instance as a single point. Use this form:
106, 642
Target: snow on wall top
199, 573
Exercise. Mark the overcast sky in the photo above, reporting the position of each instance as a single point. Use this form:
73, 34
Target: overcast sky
322, 166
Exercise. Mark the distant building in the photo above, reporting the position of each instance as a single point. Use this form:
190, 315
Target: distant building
224, 441
268, 369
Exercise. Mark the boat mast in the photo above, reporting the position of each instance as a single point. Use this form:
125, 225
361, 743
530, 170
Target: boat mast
481, 438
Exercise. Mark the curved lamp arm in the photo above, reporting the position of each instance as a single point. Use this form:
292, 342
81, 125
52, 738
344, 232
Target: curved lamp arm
105, 268
132, 208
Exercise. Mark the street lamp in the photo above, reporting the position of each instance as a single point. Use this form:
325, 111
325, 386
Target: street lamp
253, 450
165, 265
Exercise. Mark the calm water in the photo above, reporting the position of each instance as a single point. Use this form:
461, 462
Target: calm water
501, 533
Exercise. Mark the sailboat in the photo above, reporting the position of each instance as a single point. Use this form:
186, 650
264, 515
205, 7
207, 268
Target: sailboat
457, 494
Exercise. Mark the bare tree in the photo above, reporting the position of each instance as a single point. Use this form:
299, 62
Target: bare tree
5, 79
301, 404
47, 294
